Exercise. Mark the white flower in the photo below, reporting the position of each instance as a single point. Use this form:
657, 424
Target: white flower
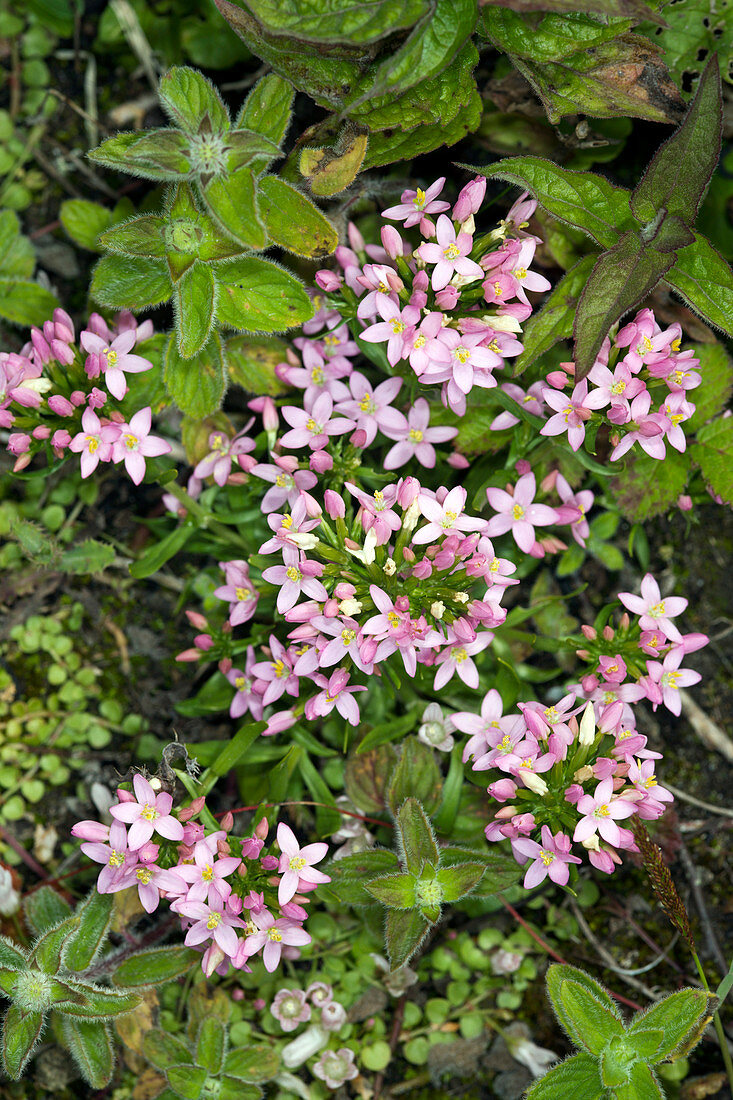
523, 1050
304, 1046
435, 729
9, 897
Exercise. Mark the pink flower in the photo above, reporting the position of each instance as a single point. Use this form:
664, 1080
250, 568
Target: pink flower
414, 205
550, 858
371, 408
392, 328
574, 509
297, 864
450, 255
115, 855
150, 880
376, 511
273, 935
571, 413
134, 444
94, 442
518, 513
211, 922
641, 774
246, 698
277, 673
112, 359
335, 693
336, 1066
296, 576
457, 658
149, 814
288, 481
656, 613
601, 811
647, 429
218, 462
206, 875
669, 678
445, 518
312, 426
238, 591
290, 1008
416, 438
396, 630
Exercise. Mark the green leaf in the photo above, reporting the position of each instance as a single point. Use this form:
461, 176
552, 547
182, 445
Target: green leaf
405, 930
460, 880
196, 385
705, 281
680, 1016
268, 108
95, 917
17, 255
554, 321
367, 777
187, 1080
678, 175
194, 301
191, 100
211, 1045
232, 202
444, 818
46, 952
416, 775
576, 1076
551, 37
154, 967
713, 453
230, 1088
387, 146
331, 170
43, 910
142, 236
580, 199
621, 277
500, 872
21, 1032
8, 981
583, 1008
123, 285
337, 21
91, 1048
600, 82
350, 874
259, 296
646, 1043
157, 155
251, 362
293, 221
231, 754
84, 221
387, 731
716, 368
416, 836
394, 891
161, 551
633, 9
215, 695
647, 488
693, 30
89, 1002
328, 819
253, 1063
10, 955
642, 1085
23, 302
725, 986
89, 556
164, 1050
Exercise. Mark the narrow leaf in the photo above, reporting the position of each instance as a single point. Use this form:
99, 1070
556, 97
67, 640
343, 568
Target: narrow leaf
91, 1048
586, 1020
619, 280
194, 303
211, 1045
89, 1002
95, 917
416, 836
678, 175
155, 557
21, 1032
43, 910
154, 967
47, 950
405, 930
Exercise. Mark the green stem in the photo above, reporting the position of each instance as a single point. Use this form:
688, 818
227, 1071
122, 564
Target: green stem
727, 1062
207, 521
190, 784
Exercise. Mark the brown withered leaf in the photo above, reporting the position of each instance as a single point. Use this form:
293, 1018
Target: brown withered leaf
131, 1029
700, 1087
331, 169
148, 1085
623, 77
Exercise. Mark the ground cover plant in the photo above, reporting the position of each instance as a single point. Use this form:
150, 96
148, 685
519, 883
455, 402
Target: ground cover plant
366, 523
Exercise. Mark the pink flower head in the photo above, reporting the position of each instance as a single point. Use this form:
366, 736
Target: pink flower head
550, 858
151, 880
371, 408
667, 677
115, 855
601, 811
297, 863
239, 591
95, 442
450, 255
149, 813
113, 359
656, 613
414, 205
571, 413
290, 1008
296, 576
274, 935
211, 922
218, 462
445, 518
246, 697
312, 426
393, 327
207, 876
416, 438
134, 444
518, 513
335, 693
288, 482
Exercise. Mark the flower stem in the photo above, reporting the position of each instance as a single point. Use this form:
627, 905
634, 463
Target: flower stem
727, 1061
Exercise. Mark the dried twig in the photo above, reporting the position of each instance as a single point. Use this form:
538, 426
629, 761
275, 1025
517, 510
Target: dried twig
707, 928
684, 797
711, 735
607, 957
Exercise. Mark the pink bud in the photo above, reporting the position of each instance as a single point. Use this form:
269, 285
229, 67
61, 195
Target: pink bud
407, 492
408, 554
447, 298
355, 238
60, 440
227, 822
684, 502
246, 463
394, 282
41, 432
470, 198
97, 398
312, 506
238, 995
557, 379
624, 621
331, 609
458, 461
608, 633
589, 632
225, 665
334, 503
18, 443
188, 655
589, 683
548, 483
328, 281
62, 352
269, 863
261, 829
91, 830
393, 244
320, 462
359, 439
203, 641
258, 1004
60, 405
197, 620
503, 789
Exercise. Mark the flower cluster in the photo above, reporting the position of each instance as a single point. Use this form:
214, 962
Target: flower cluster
232, 906
293, 1007
50, 396
643, 393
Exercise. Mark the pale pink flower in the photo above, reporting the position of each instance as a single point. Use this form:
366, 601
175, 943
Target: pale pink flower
150, 881
290, 1008
336, 1066
297, 863
335, 693
115, 855
134, 444
655, 613
113, 359
239, 591
246, 698
550, 858
647, 429
207, 876
94, 442
518, 513
312, 426
297, 575
414, 205
150, 813
446, 518
571, 413
272, 936
392, 328
277, 673
600, 812
211, 922
669, 678
457, 658
288, 481
416, 438
371, 408
218, 462
450, 255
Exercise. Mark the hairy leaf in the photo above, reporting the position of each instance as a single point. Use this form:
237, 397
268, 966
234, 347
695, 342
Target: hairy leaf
633, 9
21, 1032
123, 285
405, 930
43, 909
211, 1045
258, 296
251, 362
232, 202
387, 146
293, 221
416, 775
576, 1076
705, 281
191, 100
367, 778
197, 385
267, 110
394, 891
336, 21
10, 955
84, 221
716, 368
460, 880
95, 917
164, 1050
348, 882
641, 494
642, 1085
252, 1063
91, 1048
331, 170
46, 952
500, 871
187, 1080
678, 175
588, 1022
89, 1002
23, 302
154, 967
194, 300
621, 277
416, 836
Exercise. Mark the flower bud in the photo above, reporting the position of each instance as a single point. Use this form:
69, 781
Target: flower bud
320, 462
392, 242
329, 281
458, 461
587, 728
469, 199
447, 298
334, 503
